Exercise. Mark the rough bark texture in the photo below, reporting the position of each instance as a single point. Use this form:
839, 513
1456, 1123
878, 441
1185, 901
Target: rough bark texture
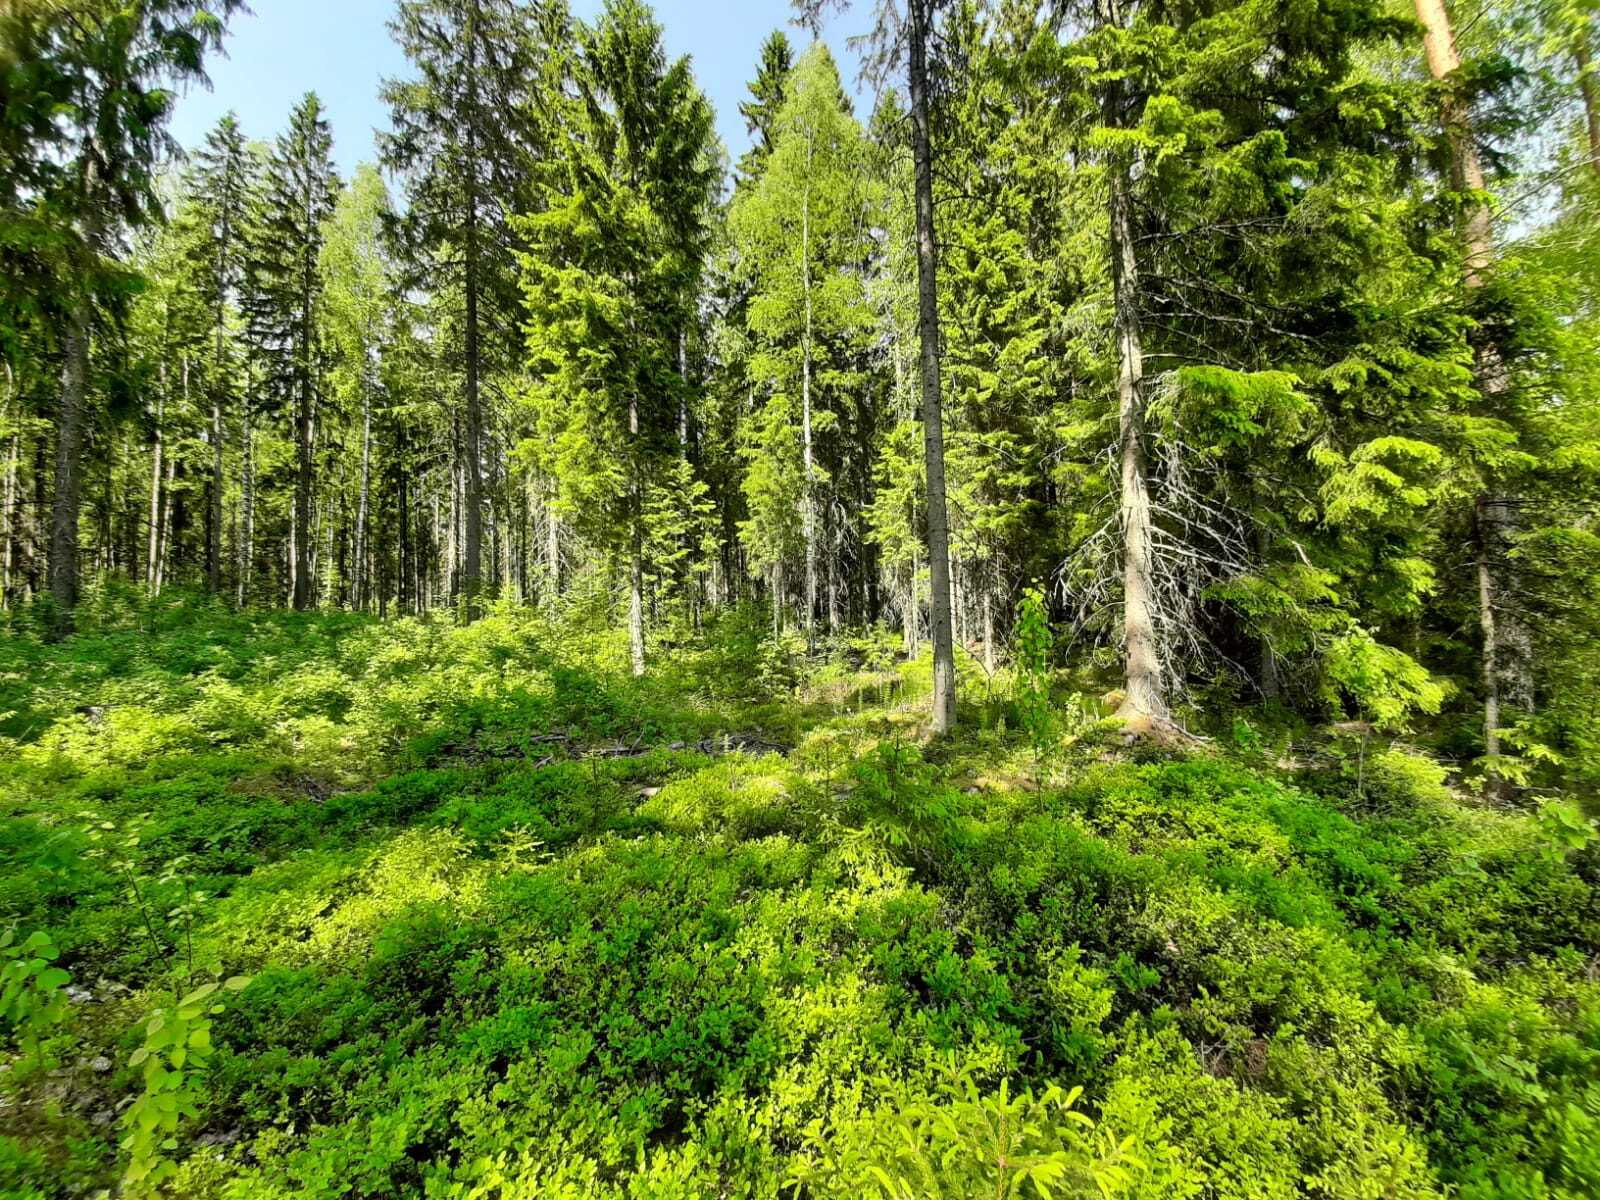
944, 661
1144, 704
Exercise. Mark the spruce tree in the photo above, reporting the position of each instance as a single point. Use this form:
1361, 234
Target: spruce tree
461, 144
115, 63
616, 250
223, 184
299, 196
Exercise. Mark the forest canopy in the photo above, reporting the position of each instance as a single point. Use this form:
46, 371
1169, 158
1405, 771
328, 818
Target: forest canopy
1056, 592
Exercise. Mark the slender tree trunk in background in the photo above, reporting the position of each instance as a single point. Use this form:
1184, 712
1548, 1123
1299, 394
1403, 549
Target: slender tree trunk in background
69, 449
214, 538
1507, 645
361, 585
304, 540
988, 629
552, 548
164, 523
437, 532
1591, 92
777, 598
944, 661
403, 588
214, 528
636, 599
13, 463
1490, 630
38, 533
153, 554
13, 523
636, 550
293, 560
247, 499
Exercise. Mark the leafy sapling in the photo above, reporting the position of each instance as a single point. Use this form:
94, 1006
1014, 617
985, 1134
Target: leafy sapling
33, 999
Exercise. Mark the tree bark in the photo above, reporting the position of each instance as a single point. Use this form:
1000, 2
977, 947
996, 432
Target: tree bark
164, 523
247, 498
552, 544
361, 584
1144, 704
1466, 168
157, 450
214, 528
636, 548
944, 662
13, 463
304, 543
1489, 627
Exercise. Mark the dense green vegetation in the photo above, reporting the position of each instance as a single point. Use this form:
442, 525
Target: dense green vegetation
517, 924
1038, 640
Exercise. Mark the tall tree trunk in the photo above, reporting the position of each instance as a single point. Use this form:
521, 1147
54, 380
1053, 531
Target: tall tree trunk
1507, 646
214, 527
636, 548
12, 521
157, 450
1144, 704
361, 585
304, 540
247, 497
164, 526
38, 531
944, 661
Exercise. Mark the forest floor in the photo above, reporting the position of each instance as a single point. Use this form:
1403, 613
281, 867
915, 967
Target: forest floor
513, 924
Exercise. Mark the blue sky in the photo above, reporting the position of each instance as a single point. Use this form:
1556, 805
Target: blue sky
341, 49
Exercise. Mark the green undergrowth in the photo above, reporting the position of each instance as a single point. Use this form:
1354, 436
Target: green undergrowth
518, 925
